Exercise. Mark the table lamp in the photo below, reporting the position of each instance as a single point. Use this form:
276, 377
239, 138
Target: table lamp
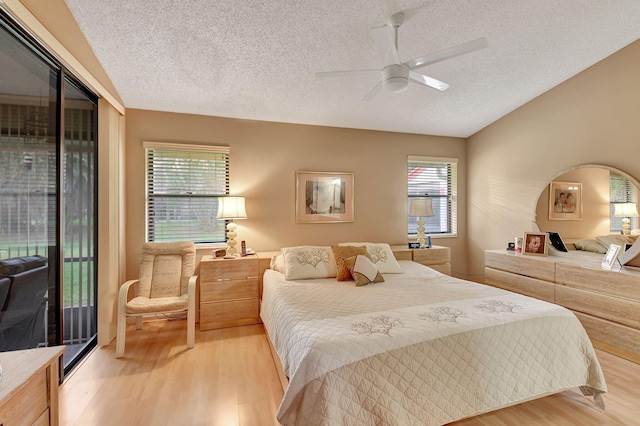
420, 207
625, 210
230, 209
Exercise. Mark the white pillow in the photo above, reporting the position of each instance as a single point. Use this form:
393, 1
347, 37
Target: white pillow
277, 263
382, 255
304, 262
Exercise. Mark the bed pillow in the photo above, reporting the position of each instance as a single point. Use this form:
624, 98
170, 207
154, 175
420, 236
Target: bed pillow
305, 262
343, 252
363, 270
382, 255
277, 263
590, 245
618, 239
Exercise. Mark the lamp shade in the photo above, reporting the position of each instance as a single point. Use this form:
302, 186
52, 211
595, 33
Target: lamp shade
231, 208
625, 209
420, 207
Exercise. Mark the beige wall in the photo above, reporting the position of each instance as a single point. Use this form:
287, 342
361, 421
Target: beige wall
593, 118
263, 160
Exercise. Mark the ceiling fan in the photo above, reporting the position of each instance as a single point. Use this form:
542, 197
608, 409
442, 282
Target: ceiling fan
396, 75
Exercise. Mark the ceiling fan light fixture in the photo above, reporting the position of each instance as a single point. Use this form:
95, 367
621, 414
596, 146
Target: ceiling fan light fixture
396, 84
396, 77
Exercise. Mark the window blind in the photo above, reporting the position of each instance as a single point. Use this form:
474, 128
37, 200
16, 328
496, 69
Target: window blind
183, 184
435, 178
621, 190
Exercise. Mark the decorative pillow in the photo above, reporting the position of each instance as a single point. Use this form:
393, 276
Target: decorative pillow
363, 270
343, 252
590, 245
382, 255
277, 263
304, 262
618, 239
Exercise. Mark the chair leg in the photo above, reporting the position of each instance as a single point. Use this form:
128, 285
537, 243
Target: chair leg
191, 327
121, 334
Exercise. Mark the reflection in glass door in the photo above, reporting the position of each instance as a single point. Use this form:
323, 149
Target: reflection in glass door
79, 242
48, 194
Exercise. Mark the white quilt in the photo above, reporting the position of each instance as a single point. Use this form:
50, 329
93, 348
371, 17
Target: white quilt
421, 348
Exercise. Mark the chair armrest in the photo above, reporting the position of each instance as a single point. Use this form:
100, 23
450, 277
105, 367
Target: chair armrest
191, 289
123, 294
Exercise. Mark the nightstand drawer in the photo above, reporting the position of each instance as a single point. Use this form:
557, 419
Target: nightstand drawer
225, 314
211, 270
432, 256
215, 291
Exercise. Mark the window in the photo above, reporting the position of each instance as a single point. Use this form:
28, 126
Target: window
621, 190
434, 178
183, 186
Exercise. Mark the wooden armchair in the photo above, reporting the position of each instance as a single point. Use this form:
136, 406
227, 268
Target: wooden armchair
167, 284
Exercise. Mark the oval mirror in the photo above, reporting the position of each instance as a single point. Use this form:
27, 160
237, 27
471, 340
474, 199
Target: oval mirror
590, 210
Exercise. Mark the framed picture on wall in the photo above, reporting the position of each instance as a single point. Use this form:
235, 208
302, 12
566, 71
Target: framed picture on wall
535, 243
565, 201
324, 197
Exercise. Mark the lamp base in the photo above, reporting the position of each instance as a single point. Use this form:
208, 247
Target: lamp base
420, 235
231, 240
626, 226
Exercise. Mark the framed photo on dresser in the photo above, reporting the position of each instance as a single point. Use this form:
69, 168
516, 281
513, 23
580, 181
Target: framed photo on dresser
535, 243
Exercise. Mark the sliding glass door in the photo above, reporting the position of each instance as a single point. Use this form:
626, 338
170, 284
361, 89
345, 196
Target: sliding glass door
48, 124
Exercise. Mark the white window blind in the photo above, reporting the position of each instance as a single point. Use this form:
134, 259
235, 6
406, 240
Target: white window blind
183, 186
435, 178
621, 190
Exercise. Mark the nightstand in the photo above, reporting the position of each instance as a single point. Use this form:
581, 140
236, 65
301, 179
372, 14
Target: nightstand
229, 294
436, 257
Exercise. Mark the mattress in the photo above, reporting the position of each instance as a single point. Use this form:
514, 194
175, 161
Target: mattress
420, 348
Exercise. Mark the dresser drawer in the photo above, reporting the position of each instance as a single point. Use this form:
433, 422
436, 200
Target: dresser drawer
622, 311
528, 286
216, 291
28, 404
530, 266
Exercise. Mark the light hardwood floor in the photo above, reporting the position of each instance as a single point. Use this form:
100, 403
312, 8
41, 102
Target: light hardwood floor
229, 379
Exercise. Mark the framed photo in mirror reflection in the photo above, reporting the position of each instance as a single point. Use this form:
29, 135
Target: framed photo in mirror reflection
565, 201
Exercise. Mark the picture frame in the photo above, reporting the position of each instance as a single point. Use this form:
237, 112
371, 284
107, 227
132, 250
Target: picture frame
324, 197
612, 254
565, 201
535, 243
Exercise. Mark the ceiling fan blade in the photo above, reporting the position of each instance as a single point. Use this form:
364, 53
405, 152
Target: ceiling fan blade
324, 74
384, 39
373, 92
449, 53
428, 81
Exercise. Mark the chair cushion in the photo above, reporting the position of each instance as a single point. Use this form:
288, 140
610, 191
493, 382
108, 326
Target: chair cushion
17, 265
165, 269
145, 305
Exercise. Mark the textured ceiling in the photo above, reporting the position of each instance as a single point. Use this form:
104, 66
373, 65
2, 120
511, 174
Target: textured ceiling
256, 59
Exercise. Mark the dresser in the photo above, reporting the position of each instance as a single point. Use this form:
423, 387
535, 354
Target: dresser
29, 386
607, 302
229, 292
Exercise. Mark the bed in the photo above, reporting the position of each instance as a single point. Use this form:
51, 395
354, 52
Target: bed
420, 348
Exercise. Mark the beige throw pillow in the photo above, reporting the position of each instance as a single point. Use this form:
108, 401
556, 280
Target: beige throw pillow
341, 253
